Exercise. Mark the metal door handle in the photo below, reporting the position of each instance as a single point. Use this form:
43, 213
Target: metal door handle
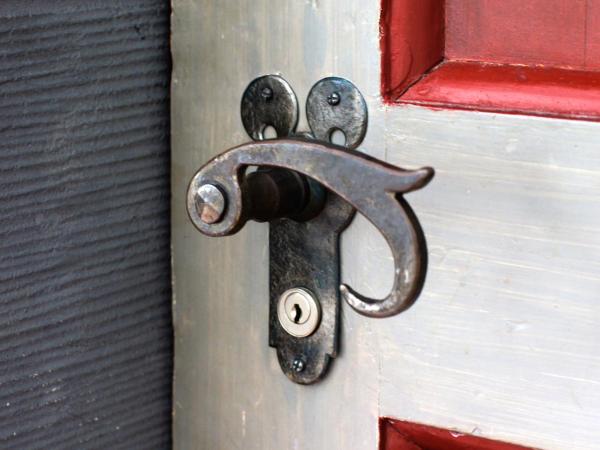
373, 187
309, 189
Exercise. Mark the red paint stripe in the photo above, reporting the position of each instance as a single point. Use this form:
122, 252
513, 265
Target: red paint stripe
510, 89
400, 435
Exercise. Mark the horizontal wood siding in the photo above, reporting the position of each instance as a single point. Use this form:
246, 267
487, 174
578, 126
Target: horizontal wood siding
85, 325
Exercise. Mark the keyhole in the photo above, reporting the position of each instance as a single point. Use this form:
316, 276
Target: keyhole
296, 313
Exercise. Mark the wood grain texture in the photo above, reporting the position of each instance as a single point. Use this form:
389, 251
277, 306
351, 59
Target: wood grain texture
503, 342
85, 327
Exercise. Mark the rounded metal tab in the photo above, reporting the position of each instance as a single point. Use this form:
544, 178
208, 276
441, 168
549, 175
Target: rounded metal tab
298, 312
269, 101
336, 104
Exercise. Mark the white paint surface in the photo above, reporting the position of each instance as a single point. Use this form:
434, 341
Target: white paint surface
504, 341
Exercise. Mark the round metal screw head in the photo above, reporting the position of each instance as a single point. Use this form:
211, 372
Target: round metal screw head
333, 98
210, 203
298, 365
267, 93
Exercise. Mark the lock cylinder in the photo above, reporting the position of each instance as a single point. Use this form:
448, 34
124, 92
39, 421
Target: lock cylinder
299, 312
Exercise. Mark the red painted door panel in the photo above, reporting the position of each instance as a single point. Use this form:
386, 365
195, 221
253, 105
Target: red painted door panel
400, 435
538, 57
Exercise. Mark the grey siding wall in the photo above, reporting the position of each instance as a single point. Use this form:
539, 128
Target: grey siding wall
85, 318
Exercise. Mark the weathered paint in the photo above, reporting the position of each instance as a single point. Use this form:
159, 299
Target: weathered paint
503, 340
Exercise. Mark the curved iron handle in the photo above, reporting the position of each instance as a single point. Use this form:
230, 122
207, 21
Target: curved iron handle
373, 187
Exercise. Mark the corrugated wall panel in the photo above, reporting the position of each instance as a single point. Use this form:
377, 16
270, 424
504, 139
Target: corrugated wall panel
85, 319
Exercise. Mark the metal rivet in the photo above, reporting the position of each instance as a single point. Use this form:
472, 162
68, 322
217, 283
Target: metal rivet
298, 365
267, 93
210, 203
333, 98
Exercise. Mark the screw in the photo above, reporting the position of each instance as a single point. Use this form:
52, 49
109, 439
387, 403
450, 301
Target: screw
333, 98
298, 365
210, 203
267, 93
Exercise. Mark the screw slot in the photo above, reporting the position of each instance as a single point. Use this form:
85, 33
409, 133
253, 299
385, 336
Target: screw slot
333, 99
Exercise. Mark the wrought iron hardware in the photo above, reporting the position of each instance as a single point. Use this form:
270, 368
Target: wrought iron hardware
309, 189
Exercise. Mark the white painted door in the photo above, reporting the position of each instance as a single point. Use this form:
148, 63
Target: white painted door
504, 340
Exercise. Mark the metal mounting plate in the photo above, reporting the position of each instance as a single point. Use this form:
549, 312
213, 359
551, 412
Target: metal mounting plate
269, 101
306, 254
335, 104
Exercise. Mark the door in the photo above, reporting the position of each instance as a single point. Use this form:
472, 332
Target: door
502, 343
